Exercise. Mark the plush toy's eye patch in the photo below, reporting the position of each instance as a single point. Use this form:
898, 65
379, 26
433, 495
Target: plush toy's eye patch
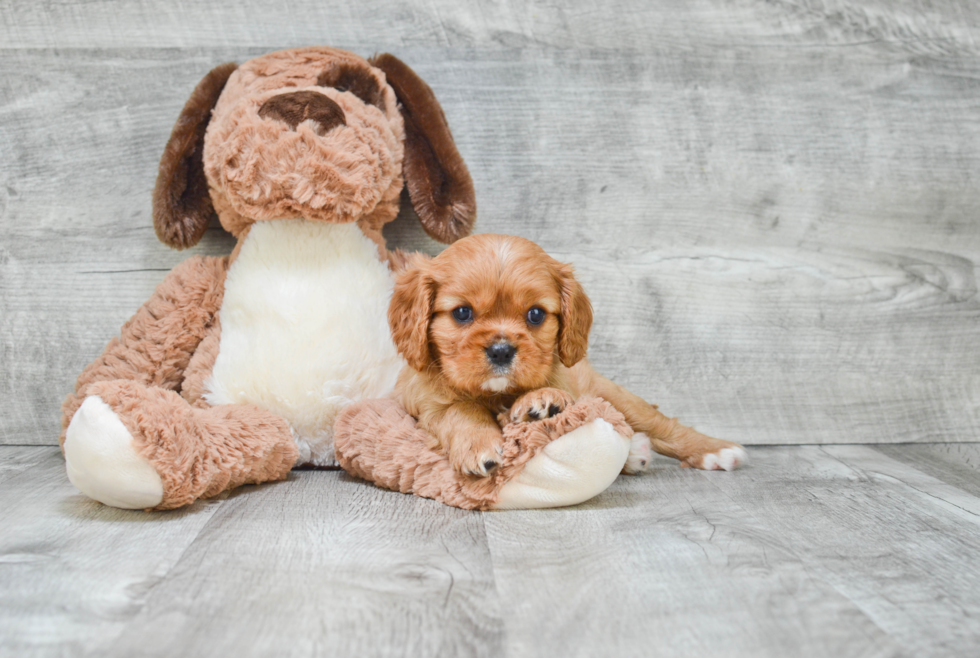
356, 80
298, 106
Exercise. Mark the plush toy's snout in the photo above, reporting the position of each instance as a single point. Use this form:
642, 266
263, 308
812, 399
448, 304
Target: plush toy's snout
295, 107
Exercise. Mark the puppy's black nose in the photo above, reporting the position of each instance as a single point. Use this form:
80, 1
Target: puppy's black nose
501, 354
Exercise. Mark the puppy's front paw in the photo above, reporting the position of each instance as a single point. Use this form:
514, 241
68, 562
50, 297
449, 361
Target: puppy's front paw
538, 404
479, 456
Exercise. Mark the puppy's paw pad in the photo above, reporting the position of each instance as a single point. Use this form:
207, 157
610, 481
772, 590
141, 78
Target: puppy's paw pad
488, 466
726, 459
482, 464
483, 469
640, 454
540, 404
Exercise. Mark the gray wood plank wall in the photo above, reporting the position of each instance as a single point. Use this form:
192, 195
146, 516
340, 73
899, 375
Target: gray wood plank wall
773, 205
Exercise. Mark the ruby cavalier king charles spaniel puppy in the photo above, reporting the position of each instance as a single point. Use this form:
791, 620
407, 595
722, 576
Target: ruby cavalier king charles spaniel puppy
494, 331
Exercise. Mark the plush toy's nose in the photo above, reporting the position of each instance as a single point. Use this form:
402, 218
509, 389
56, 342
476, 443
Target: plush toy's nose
297, 106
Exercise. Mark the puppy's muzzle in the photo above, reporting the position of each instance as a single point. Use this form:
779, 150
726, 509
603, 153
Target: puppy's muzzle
293, 108
501, 354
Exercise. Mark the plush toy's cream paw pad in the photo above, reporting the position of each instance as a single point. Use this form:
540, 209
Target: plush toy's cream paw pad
726, 459
569, 470
640, 454
103, 463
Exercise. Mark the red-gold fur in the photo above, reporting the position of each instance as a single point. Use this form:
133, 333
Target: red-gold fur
461, 398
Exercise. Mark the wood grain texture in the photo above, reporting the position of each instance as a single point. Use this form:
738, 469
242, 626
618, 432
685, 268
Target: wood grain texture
957, 464
14, 459
926, 26
325, 565
771, 204
833, 551
72, 571
898, 543
665, 564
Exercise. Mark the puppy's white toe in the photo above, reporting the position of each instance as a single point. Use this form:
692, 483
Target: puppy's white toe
726, 459
640, 454
102, 461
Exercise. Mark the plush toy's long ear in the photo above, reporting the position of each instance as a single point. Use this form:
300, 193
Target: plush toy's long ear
435, 174
409, 314
576, 318
181, 206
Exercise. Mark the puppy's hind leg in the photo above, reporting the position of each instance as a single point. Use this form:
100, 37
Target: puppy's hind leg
694, 449
667, 436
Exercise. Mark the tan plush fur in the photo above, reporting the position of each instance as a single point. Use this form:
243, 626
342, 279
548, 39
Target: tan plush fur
157, 345
267, 169
377, 440
311, 134
178, 440
490, 292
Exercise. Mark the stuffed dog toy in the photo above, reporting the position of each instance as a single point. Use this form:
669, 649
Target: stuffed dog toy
236, 368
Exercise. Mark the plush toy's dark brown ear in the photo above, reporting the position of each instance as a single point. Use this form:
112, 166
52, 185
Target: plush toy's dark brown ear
435, 174
181, 206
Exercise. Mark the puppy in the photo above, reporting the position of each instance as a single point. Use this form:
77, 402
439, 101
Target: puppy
495, 331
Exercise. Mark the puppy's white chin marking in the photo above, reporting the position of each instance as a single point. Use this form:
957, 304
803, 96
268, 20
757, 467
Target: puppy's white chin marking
496, 384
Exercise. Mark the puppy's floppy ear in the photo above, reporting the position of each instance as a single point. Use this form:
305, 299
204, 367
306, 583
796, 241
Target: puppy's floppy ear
436, 176
575, 320
181, 205
410, 313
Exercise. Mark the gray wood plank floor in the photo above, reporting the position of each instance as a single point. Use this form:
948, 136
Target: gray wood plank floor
810, 551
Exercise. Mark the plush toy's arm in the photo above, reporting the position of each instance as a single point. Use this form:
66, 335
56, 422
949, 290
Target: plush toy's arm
157, 343
562, 460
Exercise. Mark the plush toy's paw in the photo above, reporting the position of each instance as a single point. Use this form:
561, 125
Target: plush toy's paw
102, 460
571, 469
562, 460
478, 454
539, 404
727, 457
640, 454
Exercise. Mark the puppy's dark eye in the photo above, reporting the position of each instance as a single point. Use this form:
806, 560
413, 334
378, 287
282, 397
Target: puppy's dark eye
462, 314
535, 316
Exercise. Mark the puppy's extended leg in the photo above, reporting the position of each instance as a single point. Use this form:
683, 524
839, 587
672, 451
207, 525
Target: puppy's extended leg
469, 434
667, 436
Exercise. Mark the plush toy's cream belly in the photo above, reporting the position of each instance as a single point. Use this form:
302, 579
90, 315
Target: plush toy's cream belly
304, 328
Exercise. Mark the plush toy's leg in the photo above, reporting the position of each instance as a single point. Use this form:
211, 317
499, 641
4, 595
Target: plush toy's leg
562, 460
133, 446
103, 461
155, 346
